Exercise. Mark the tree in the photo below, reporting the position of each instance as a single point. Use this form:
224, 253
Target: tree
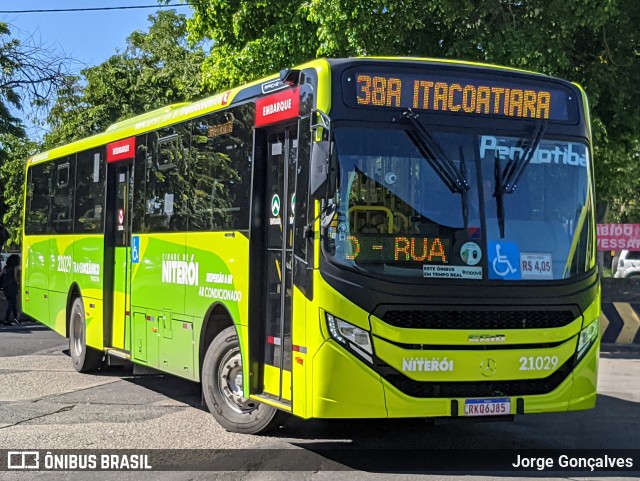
156, 68
30, 73
593, 42
13, 157
251, 38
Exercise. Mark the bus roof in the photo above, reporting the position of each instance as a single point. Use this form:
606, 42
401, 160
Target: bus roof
158, 118
442, 61
175, 113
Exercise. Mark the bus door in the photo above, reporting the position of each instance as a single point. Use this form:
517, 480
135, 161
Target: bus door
118, 242
279, 202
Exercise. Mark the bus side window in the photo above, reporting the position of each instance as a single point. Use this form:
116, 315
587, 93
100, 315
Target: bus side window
62, 195
140, 174
89, 191
220, 170
38, 199
167, 183
302, 189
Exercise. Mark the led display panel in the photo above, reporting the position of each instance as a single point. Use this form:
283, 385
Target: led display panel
467, 95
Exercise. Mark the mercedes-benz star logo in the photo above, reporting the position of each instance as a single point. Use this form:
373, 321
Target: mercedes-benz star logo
488, 367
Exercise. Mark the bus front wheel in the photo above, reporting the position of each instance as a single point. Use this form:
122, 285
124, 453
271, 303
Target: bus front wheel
222, 385
84, 358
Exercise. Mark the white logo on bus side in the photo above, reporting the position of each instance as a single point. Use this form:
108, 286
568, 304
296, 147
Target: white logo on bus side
565, 153
277, 107
177, 269
68, 265
123, 149
422, 364
219, 293
219, 278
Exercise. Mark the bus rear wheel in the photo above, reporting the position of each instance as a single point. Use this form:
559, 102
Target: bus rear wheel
222, 384
83, 357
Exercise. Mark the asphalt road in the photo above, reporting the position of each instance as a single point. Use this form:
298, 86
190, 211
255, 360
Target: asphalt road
45, 404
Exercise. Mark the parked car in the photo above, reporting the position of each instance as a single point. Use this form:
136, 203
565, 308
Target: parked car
628, 265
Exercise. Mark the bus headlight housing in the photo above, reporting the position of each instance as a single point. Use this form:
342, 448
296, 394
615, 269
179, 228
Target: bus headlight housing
587, 337
358, 340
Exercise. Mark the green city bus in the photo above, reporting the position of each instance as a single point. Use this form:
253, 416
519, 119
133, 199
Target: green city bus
351, 238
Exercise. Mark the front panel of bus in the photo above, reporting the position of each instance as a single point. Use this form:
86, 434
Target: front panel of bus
457, 266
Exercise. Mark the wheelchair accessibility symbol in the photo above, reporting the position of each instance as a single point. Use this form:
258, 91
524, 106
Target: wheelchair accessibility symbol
504, 259
135, 249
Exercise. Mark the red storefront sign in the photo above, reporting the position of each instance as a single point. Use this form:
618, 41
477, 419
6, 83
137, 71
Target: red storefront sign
121, 150
618, 237
277, 107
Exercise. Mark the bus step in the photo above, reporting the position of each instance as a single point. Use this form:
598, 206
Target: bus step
115, 357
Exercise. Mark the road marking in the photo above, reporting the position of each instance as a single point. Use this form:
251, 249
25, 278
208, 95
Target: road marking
604, 323
631, 323
615, 323
620, 323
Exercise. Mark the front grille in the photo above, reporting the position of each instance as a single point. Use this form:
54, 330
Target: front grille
478, 319
478, 388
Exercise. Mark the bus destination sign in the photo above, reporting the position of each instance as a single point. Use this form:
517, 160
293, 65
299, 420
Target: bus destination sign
471, 96
398, 249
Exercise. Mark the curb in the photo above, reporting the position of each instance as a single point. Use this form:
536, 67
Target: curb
612, 347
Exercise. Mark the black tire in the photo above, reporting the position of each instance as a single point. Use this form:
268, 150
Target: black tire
84, 358
221, 370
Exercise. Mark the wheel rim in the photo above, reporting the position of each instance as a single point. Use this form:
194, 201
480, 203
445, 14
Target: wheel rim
230, 382
78, 326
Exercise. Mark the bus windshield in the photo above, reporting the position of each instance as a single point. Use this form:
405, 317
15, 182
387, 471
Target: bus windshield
397, 216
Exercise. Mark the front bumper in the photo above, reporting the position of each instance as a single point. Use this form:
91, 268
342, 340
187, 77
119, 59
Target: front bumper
345, 387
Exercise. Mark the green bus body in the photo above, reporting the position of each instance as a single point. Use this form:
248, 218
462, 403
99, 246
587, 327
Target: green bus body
177, 225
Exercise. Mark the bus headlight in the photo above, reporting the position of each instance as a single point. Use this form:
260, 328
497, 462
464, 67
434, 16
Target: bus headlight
350, 336
587, 338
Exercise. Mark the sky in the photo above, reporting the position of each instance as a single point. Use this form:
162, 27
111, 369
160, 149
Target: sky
89, 37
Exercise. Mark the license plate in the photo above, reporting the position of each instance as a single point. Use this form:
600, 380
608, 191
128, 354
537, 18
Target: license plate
487, 407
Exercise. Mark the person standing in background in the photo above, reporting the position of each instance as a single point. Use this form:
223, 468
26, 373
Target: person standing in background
11, 287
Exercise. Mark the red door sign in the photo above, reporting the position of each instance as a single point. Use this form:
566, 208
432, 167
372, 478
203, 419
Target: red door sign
277, 107
121, 150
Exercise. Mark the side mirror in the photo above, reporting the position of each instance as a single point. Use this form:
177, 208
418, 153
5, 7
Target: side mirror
319, 169
320, 155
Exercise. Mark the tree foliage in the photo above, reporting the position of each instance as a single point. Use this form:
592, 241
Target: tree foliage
30, 73
156, 68
593, 42
14, 153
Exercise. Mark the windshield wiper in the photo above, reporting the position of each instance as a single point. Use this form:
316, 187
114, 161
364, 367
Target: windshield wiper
433, 153
516, 166
464, 193
507, 180
498, 194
